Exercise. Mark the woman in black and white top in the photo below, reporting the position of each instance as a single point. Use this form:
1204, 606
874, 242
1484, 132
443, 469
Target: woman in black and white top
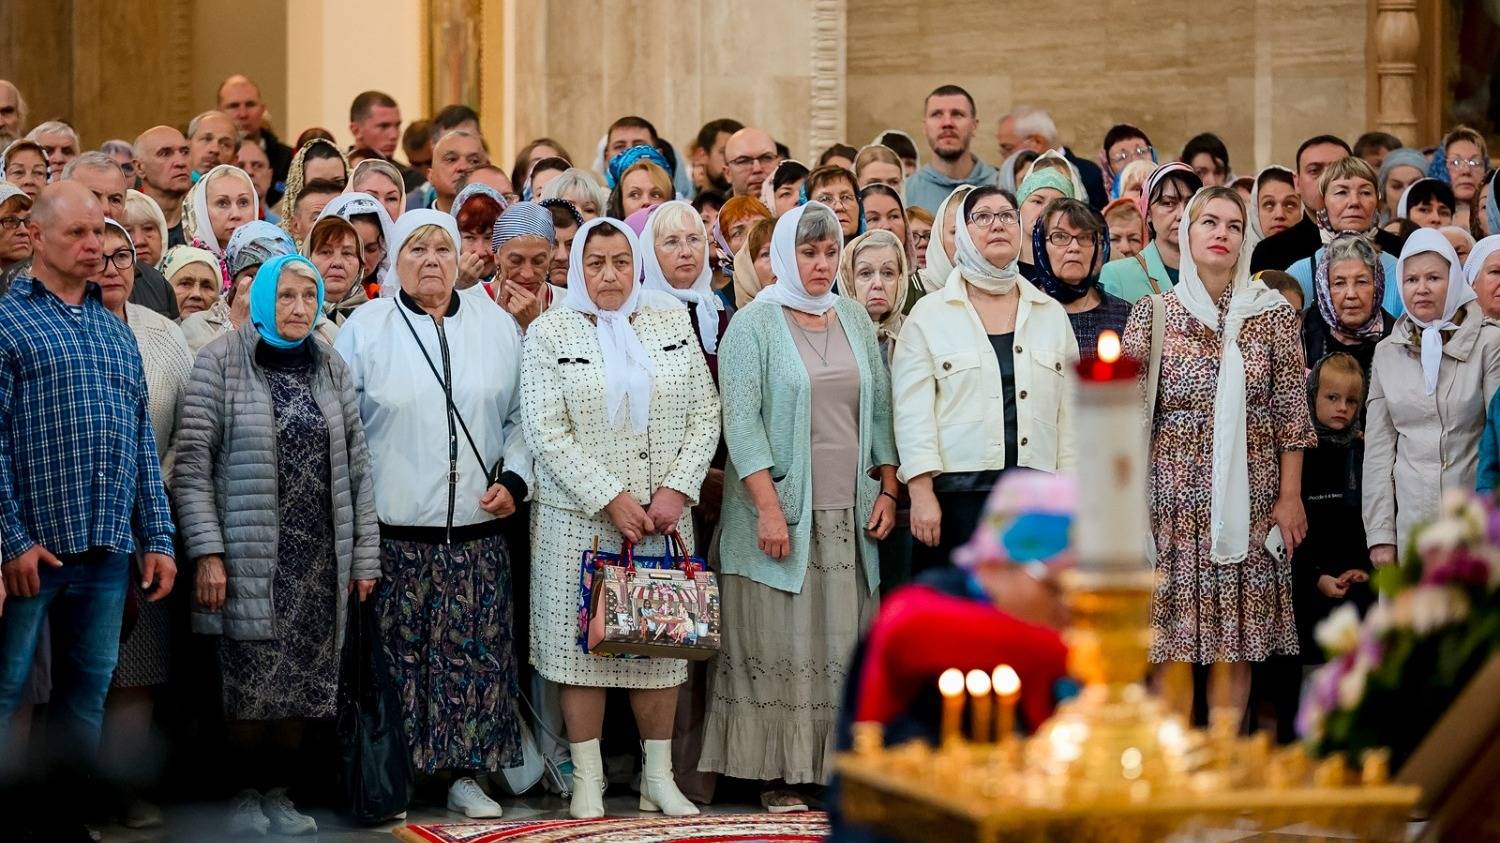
429, 361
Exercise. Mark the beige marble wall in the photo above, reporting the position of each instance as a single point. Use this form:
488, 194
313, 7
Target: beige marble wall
1263, 74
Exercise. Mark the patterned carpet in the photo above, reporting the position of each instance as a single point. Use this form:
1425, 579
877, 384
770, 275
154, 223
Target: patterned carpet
743, 828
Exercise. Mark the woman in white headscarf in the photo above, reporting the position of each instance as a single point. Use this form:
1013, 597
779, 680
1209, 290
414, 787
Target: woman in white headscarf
1430, 387
940, 245
1230, 423
437, 377
622, 415
674, 258
373, 223
978, 377
807, 418
223, 200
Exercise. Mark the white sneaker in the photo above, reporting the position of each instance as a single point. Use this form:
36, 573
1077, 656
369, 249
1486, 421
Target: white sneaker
246, 819
284, 816
465, 797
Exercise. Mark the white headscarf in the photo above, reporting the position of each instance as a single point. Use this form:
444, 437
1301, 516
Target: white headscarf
203, 227
353, 203
1478, 255
1253, 234
976, 268
1459, 294
628, 369
1230, 506
788, 291
702, 291
402, 231
939, 267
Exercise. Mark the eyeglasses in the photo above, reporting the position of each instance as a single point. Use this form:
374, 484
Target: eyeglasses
1130, 154
745, 160
122, 259
842, 200
1058, 237
13, 222
985, 219
921, 238
1466, 163
675, 243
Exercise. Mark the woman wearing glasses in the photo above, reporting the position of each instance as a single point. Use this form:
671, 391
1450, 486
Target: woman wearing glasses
978, 380
836, 187
1466, 159
1124, 144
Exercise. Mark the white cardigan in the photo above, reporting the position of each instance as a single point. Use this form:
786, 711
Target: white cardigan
949, 410
405, 412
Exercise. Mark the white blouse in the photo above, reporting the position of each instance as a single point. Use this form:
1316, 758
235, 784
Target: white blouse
412, 436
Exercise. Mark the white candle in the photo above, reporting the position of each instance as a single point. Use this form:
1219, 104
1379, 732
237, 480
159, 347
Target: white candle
1113, 524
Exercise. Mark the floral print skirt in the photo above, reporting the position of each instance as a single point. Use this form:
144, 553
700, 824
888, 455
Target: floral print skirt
445, 619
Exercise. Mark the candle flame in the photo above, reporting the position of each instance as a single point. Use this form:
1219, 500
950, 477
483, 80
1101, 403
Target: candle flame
1109, 346
951, 683
978, 683
1007, 681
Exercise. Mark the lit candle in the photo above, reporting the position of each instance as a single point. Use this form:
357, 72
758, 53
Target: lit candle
1008, 688
1112, 477
978, 683
951, 686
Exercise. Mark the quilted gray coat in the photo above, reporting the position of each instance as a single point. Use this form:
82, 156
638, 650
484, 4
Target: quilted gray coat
226, 489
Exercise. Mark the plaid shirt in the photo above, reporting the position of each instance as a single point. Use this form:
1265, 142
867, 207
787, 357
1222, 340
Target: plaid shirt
78, 467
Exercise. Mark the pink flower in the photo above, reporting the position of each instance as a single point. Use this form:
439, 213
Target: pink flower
1461, 567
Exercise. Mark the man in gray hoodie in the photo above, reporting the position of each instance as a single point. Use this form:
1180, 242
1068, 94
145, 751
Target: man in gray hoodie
949, 121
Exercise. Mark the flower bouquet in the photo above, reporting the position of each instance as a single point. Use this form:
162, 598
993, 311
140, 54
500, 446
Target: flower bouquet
1391, 676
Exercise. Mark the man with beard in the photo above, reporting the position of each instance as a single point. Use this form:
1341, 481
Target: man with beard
949, 122
713, 139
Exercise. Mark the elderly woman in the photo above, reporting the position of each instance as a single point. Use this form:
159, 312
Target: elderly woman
251, 245
25, 166
835, 187
623, 420
1430, 387
1483, 272
919, 223
807, 418
476, 207
523, 240
1154, 270
752, 263
1126, 226
336, 251
147, 227
195, 277
885, 209
1071, 243
1123, 145
145, 654
1466, 160
978, 380
674, 257
1348, 286
582, 189
875, 264
380, 179
15, 235
223, 200
939, 252
372, 223
1349, 206
271, 416
429, 359
1275, 204
1230, 396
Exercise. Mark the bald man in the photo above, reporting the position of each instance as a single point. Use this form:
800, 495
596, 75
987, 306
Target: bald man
749, 158
240, 98
81, 479
161, 161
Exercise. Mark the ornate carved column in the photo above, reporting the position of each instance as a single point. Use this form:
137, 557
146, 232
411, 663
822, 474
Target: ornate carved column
1398, 39
829, 51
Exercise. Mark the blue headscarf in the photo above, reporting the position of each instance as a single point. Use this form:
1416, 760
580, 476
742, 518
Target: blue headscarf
263, 299
520, 220
1438, 167
1048, 280
1492, 204
623, 161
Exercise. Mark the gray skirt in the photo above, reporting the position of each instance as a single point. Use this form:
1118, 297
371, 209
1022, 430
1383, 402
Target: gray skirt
779, 677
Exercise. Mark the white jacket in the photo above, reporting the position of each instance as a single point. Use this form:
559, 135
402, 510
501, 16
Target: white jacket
405, 412
949, 409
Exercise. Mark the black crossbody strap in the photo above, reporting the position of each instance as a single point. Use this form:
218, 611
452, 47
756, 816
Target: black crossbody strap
448, 396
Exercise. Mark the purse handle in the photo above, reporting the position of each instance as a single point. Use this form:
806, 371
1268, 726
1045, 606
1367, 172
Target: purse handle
681, 561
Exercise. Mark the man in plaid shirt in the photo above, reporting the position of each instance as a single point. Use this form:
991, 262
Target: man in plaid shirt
80, 485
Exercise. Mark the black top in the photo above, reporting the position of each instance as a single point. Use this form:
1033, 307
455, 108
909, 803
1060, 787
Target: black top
1302, 240
1093, 179
1335, 540
152, 290
280, 156
1318, 341
299, 356
1003, 345
1110, 315
1027, 270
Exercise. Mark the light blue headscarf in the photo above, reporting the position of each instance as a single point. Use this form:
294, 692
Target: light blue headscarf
263, 299
624, 160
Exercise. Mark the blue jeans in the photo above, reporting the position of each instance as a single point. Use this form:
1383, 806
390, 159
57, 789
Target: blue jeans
86, 601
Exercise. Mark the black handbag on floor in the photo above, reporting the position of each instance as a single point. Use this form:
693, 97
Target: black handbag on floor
376, 766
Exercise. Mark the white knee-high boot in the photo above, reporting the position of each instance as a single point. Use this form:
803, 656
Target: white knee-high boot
588, 781
658, 791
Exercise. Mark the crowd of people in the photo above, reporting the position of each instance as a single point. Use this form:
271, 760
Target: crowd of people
246, 386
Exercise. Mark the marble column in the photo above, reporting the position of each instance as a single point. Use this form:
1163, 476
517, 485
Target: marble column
1397, 41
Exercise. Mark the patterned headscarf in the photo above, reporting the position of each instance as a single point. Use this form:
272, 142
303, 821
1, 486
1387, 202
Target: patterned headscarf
296, 178
1047, 279
1374, 328
254, 243
521, 220
624, 160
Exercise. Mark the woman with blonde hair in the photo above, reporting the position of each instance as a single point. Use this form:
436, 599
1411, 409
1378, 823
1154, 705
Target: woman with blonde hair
876, 164
380, 179
147, 227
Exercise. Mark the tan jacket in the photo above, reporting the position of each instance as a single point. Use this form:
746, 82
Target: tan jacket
1417, 446
949, 410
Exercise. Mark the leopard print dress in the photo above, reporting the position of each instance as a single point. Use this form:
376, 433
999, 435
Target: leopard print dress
1204, 612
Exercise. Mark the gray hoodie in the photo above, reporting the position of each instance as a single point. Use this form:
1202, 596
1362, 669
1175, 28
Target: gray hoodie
928, 188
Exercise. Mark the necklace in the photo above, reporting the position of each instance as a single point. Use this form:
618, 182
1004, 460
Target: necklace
827, 332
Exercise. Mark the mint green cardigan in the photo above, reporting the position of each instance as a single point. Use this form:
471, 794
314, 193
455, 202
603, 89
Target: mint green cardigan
768, 425
1123, 278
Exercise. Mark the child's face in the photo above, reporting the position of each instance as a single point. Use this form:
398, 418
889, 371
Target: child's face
1338, 400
